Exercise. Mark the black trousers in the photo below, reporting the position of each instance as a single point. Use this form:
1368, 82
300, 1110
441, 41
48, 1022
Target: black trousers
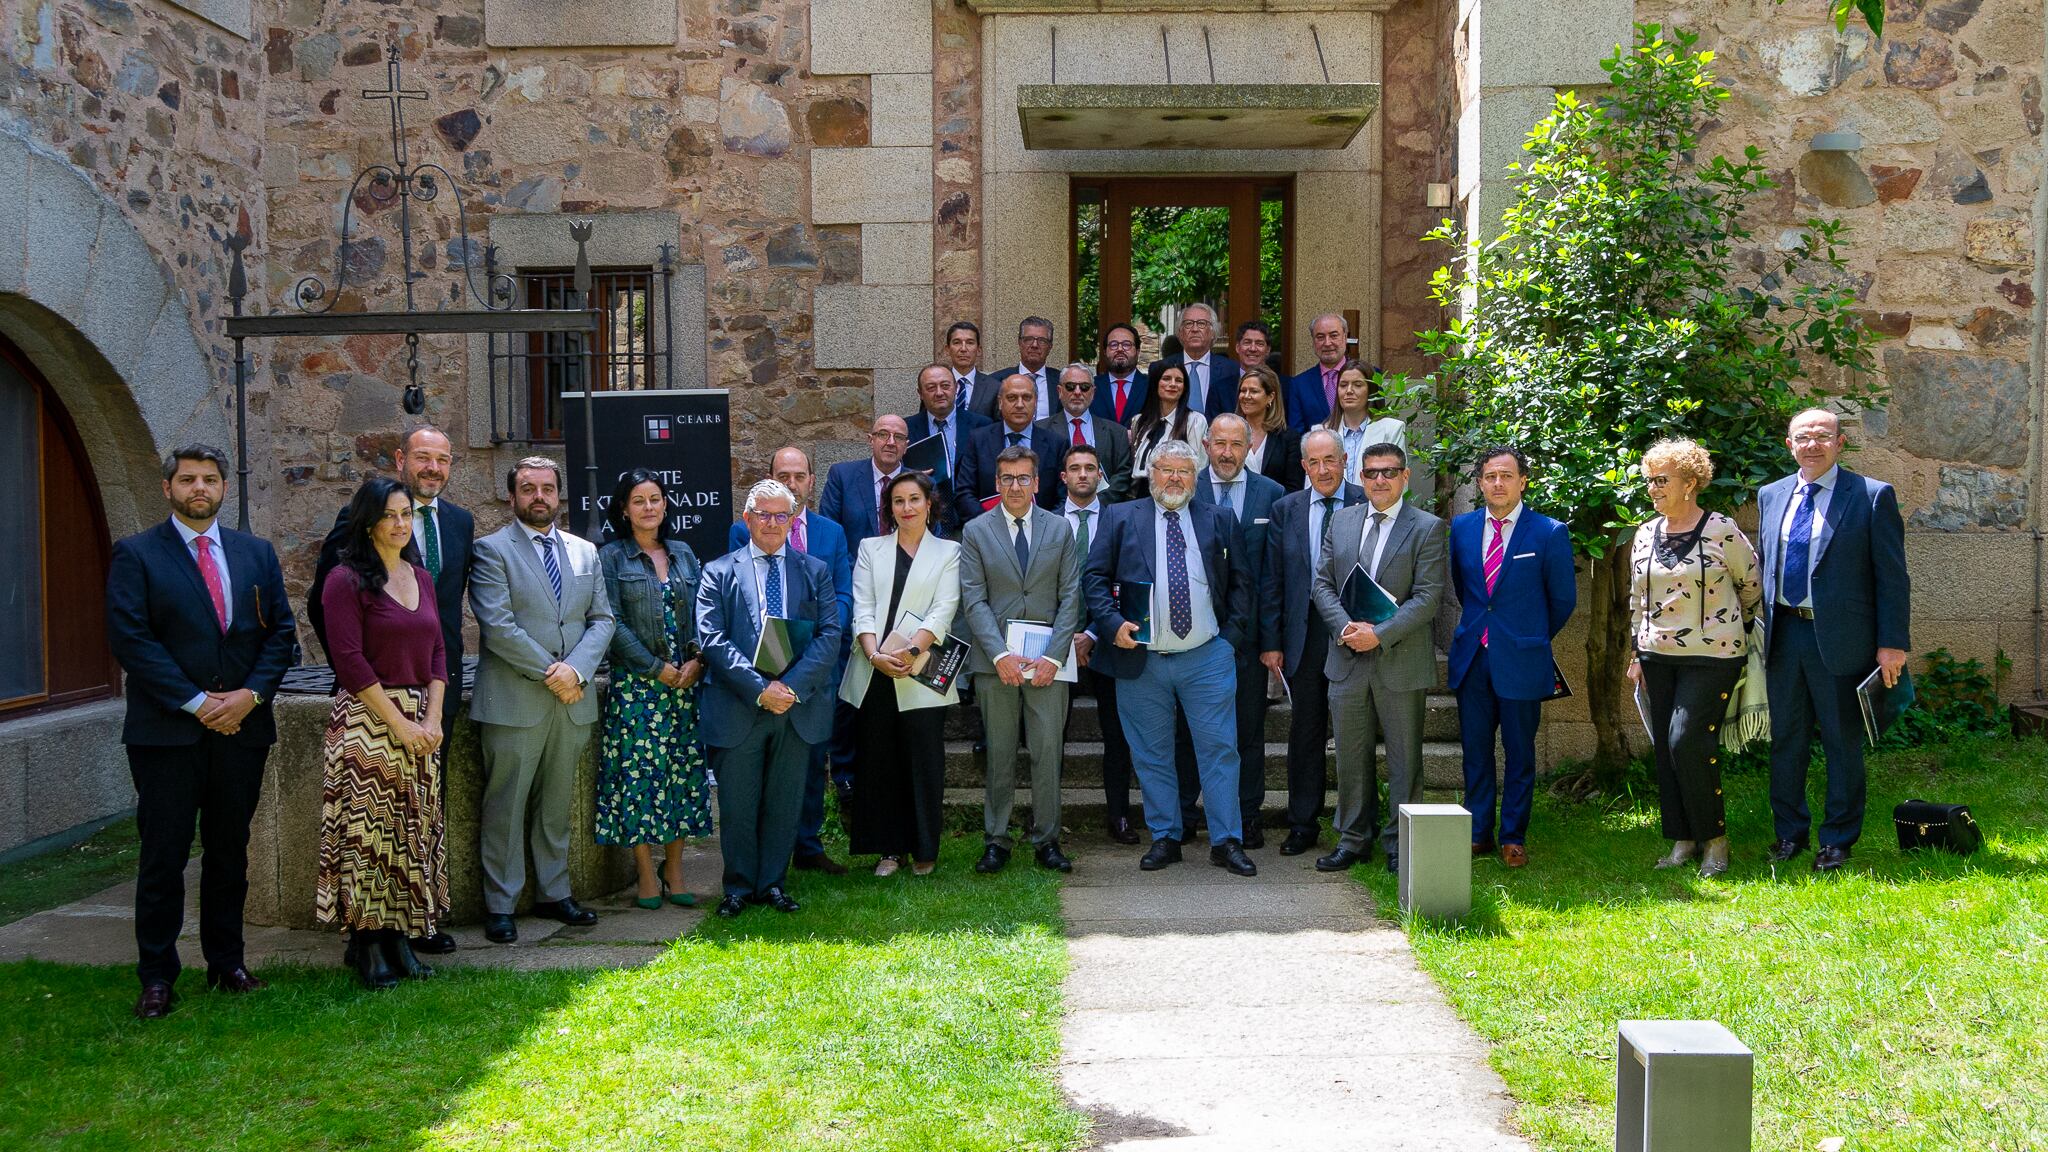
1116, 751
1251, 747
1308, 733
1687, 705
209, 787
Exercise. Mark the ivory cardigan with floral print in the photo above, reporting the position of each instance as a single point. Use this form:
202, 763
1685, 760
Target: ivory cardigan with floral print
1700, 606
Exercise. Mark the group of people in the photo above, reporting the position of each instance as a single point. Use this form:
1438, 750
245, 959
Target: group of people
1171, 542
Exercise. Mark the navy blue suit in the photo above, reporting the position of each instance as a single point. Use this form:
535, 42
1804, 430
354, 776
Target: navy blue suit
850, 500
977, 472
1860, 603
162, 627
1260, 494
1307, 406
964, 424
1223, 376
1501, 684
1104, 404
1296, 630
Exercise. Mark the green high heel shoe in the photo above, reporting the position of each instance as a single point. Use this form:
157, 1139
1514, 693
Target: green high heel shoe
650, 902
679, 899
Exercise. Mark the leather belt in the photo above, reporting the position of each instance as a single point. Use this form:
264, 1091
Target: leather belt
1802, 613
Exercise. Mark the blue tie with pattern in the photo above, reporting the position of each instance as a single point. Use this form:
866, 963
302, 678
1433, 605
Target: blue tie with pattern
547, 559
771, 588
1179, 607
1799, 548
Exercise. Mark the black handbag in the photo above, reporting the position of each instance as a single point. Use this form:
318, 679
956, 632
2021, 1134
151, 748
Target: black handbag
1925, 824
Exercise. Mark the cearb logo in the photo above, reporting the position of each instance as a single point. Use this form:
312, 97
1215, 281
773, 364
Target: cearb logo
658, 430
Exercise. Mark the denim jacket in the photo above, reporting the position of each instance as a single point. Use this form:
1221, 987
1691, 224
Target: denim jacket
639, 642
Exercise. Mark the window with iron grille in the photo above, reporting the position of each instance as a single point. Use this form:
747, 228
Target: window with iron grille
627, 352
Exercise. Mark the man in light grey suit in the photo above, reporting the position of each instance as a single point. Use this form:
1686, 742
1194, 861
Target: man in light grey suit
1379, 674
544, 624
1021, 563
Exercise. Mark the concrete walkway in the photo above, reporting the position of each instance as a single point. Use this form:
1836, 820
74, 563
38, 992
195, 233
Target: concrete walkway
1205, 1011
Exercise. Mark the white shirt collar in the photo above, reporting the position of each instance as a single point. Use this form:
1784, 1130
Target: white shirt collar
879, 475
1390, 513
186, 534
1513, 517
532, 532
435, 503
1826, 479
754, 550
1203, 359
1072, 507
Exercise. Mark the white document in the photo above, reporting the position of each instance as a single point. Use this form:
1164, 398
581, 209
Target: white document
1029, 639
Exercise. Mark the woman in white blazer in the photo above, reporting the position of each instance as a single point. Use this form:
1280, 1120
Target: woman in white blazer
906, 584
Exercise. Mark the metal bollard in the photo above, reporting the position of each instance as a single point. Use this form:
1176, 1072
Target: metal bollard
1436, 860
1681, 1086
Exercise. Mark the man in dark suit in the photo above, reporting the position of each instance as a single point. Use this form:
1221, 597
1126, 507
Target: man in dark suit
1180, 550
1312, 392
1250, 497
1835, 607
1252, 346
197, 616
1077, 423
977, 478
820, 537
1034, 344
1512, 568
1294, 548
973, 390
1212, 378
760, 727
1120, 389
1083, 508
1379, 673
938, 415
853, 488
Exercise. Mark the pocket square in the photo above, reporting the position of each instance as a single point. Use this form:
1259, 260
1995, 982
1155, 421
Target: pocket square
1262, 520
1524, 555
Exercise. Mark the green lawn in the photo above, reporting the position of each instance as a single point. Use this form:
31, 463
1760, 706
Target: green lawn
54, 879
1899, 1006
902, 1014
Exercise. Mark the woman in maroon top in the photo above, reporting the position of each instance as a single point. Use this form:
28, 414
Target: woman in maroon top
382, 856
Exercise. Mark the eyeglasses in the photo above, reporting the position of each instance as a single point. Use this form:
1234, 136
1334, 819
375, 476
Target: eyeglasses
1657, 481
1381, 473
1126, 345
1087, 386
886, 437
1015, 481
1195, 324
1034, 339
1812, 439
772, 517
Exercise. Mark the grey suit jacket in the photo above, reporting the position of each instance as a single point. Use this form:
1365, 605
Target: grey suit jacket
523, 629
1413, 569
994, 592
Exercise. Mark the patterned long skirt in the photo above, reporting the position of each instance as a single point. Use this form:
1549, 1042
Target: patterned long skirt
383, 855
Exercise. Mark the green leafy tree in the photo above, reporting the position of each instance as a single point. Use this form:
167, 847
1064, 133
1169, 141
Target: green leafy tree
1624, 302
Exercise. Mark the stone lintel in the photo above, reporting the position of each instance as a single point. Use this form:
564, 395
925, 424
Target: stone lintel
1169, 7
596, 24
233, 15
1240, 116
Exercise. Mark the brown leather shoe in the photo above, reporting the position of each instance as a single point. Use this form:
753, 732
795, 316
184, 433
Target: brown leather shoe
154, 1003
1513, 855
236, 979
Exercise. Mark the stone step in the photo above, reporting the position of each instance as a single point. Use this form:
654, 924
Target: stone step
1439, 722
1083, 811
1442, 764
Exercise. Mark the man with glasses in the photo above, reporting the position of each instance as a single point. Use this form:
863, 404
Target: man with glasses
1212, 380
854, 488
1078, 424
975, 487
1120, 389
1836, 607
974, 390
1379, 673
1034, 344
938, 414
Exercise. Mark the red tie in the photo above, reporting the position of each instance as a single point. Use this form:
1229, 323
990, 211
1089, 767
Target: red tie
1494, 553
1078, 438
209, 571
1121, 396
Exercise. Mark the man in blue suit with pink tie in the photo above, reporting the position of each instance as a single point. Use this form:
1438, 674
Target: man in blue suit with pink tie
1512, 568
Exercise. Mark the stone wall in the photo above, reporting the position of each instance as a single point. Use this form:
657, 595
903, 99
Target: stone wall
1416, 130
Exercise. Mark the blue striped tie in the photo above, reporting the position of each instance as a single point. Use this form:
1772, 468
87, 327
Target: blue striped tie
547, 559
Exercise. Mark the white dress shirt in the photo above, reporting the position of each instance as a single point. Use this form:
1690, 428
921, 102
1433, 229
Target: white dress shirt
1507, 534
1200, 371
1094, 510
1067, 428
1255, 459
419, 527
227, 583
755, 558
1827, 481
1012, 526
963, 390
1042, 382
1202, 605
1379, 546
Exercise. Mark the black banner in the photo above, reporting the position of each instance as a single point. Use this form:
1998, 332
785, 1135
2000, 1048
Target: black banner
682, 436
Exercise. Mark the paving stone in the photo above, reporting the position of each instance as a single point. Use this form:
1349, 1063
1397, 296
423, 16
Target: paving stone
554, 956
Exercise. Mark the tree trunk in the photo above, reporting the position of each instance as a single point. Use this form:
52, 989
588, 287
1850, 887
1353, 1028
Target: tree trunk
1610, 698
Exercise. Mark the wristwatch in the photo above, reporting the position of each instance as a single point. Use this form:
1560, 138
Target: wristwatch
256, 696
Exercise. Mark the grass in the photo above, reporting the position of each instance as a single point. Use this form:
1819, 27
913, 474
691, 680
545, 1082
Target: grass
54, 879
1898, 1006
911, 1013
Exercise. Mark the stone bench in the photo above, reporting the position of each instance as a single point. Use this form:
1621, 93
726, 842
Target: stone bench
1681, 1086
284, 838
1436, 860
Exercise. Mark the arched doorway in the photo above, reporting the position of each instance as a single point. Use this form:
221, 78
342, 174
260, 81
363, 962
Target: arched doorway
53, 648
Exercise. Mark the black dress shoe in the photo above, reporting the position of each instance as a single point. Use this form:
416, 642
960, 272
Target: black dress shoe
567, 910
1121, 832
1830, 858
1254, 837
732, 906
779, 900
1297, 842
1482, 848
236, 979
499, 928
403, 961
992, 859
817, 862
1050, 856
373, 968
439, 944
1230, 856
155, 1002
1785, 850
1164, 851
1338, 860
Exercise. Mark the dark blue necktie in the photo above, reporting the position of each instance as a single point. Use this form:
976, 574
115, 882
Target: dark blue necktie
1179, 607
547, 557
1023, 546
771, 590
1799, 548
1016, 438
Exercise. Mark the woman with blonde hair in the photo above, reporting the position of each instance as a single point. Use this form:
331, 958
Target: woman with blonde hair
1694, 587
1276, 450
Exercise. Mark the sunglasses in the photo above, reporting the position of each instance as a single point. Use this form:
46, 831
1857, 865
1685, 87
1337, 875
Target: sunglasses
1381, 473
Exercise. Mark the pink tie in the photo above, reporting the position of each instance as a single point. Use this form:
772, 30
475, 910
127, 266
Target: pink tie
1494, 553
796, 534
1330, 387
209, 571
1078, 438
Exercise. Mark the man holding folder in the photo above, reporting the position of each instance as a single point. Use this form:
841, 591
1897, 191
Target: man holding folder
1377, 588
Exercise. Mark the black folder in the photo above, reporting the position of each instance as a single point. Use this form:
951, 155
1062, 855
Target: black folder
1364, 599
1134, 603
929, 455
1883, 706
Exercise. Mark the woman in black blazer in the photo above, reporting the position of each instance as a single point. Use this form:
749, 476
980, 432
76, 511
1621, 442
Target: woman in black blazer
1276, 449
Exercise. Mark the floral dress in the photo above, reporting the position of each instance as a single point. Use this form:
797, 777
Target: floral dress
652, 787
